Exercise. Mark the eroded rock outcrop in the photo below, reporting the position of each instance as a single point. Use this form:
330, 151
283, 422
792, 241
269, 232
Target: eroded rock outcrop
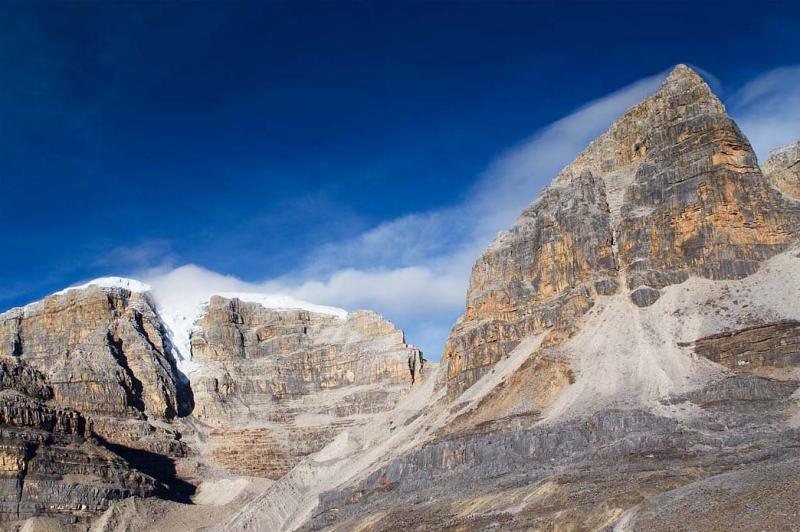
107, 379
49, 463
90, 394
102, 349
277, 385
633, 334
782, 168
766, 348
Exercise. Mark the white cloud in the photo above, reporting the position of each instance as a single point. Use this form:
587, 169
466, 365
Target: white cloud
767, 109
193, 284
415, 269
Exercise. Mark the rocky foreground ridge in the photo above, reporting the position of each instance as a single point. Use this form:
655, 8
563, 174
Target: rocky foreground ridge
628, 359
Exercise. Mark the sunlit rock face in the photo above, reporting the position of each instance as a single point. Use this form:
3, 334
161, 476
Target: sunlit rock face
782, 168
101, 355
672, 190
277, 385
103, 350
93, 407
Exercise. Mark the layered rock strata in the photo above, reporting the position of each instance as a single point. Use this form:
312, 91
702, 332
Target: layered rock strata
760, 348
580, 473
49, 462
672, 190
89, 377
277, 385
105, 352
782, 168
661, 271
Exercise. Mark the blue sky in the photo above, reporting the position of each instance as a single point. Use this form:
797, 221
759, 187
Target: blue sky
357, 154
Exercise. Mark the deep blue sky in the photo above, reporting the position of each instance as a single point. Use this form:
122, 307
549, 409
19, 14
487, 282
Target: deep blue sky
240, 136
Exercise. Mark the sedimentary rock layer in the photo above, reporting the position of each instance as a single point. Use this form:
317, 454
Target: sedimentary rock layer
671, 190
782, 168
103, 350
761, 347
48, 466
277, 385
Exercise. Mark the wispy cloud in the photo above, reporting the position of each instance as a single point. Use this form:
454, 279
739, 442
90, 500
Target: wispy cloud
415, 269
768, 109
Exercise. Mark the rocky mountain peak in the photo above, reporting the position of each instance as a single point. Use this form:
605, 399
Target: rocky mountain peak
273, 379
643, 306
671, 190
683, 76
685, 87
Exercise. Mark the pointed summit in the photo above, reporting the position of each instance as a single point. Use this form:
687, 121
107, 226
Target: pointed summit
684, 86
671, 190
682, 71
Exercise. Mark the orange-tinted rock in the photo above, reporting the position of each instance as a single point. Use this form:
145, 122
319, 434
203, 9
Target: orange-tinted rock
101, 349
671, 190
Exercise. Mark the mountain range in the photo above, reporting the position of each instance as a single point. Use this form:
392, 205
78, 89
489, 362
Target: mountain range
628, 358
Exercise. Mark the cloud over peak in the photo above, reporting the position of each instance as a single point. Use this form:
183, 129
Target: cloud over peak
415, 269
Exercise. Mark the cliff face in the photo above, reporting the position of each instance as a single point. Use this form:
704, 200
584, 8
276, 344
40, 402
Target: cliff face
672, 190
101, 349
47, 464
782, 168
100, 356
279, 385
93, 407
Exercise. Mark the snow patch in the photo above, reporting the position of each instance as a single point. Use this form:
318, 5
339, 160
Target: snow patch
181, 306
282, 302
180, 309
110, 282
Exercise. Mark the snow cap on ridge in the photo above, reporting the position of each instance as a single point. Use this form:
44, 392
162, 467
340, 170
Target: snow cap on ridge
110, 282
